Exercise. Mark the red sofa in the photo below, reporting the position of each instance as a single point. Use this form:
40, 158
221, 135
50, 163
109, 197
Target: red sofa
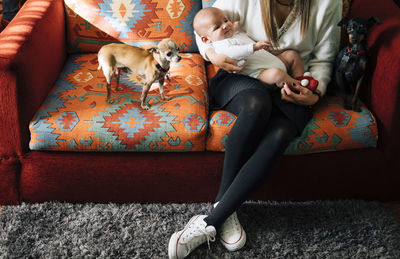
32, 54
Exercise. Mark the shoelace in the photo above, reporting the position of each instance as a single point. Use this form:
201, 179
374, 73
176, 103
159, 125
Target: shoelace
199, 241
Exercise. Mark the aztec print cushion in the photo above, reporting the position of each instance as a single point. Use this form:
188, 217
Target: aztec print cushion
76, 117
331, 128
93, 23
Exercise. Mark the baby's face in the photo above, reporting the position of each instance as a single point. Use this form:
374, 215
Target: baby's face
219, 27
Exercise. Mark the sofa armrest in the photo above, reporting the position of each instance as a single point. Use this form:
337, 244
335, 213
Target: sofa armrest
381, 89
32, 53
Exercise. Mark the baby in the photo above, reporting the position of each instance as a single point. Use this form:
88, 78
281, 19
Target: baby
225, 37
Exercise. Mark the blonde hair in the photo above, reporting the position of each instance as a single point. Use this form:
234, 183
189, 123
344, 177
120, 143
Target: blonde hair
268, 18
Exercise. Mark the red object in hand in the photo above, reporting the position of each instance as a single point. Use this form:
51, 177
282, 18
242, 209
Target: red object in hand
308, 82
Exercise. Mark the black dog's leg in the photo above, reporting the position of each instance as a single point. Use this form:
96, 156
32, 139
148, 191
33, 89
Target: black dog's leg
345, 90
355, 102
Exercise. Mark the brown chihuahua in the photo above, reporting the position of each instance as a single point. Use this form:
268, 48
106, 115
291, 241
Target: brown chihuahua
152, 65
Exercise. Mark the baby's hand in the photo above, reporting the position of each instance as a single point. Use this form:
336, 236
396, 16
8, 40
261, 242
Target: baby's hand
262, 44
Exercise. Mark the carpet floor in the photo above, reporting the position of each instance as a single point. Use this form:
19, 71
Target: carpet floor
317, 229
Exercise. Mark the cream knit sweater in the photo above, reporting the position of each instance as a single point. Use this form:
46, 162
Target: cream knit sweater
317, 48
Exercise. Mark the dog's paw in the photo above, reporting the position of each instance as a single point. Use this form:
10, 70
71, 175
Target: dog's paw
145, 106
347, 106
120, 89
110, 101
166, 98
357, 109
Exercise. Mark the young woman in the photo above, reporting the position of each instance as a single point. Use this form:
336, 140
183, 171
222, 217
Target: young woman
267, 121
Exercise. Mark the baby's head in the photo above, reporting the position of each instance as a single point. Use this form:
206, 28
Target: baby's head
212, 25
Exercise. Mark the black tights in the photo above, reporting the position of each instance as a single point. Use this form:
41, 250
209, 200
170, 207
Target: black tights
255, 143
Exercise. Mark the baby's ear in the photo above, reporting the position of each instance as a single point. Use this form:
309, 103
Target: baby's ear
205, 40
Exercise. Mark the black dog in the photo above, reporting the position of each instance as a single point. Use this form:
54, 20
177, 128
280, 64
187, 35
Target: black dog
351, 61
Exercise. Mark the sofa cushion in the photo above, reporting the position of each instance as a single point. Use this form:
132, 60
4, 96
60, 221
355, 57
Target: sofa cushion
93, 23
331, 128
76, 117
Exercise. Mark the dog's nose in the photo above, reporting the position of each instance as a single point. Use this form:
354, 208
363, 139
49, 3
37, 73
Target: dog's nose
179, 58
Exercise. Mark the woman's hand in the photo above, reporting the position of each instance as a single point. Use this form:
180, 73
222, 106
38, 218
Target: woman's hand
224, 62
303, 97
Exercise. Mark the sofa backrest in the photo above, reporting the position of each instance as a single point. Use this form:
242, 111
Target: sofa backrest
94, 23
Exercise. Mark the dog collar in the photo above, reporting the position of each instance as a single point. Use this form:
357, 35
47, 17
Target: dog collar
358, 52
159, 67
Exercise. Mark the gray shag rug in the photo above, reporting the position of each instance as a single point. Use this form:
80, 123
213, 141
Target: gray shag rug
317, 229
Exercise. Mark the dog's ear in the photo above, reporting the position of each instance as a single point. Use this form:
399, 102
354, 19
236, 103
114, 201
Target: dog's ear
153, 50
372, 20
171, 44
343, 22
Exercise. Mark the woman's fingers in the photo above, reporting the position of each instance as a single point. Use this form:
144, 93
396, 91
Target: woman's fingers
226, 63
289, 95
301, 89
298, 94
233, 66
287, 89
286, 94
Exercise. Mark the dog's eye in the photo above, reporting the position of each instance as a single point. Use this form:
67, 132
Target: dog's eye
169, 54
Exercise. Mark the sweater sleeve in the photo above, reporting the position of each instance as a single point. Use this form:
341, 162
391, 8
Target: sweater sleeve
327, 45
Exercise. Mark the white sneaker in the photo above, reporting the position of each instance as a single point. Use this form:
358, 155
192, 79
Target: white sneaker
232, 234
195, 233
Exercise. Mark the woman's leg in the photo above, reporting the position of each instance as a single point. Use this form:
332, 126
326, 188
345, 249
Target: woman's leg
252, 108
279, 133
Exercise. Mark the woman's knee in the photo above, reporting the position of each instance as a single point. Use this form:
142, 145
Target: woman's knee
256, 102
283, 130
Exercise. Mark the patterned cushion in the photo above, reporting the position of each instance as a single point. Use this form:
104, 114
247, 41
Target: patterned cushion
93, 23
208, 3
76, 117
331, 128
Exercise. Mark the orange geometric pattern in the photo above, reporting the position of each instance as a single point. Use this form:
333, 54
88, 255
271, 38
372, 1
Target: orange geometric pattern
331, 128
76, 117
93, 23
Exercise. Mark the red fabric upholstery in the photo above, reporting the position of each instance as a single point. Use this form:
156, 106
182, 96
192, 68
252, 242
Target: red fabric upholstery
195, 176
29, 57
9, 172
120, 177
32, 54
381, 90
